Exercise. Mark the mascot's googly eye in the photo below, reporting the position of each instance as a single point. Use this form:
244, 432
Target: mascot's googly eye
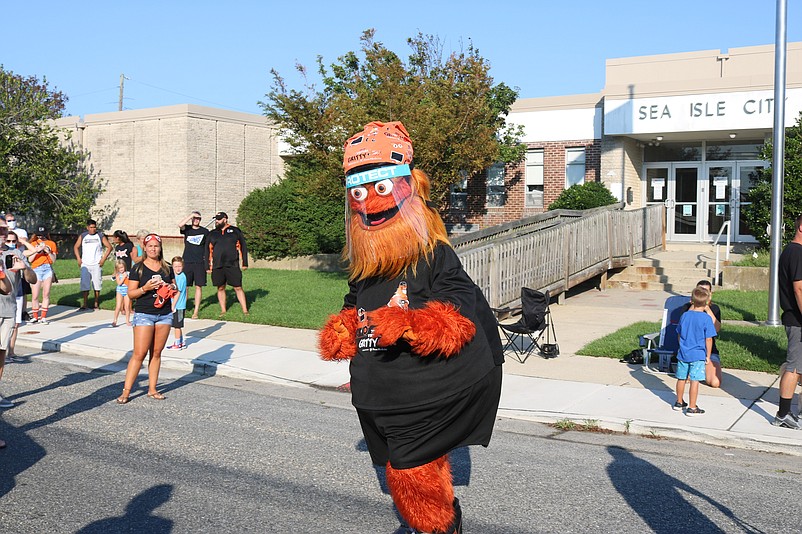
359, 193
384, 188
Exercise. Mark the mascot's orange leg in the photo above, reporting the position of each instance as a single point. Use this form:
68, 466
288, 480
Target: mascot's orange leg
424, 496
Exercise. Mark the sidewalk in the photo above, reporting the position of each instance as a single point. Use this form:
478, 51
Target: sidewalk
615, 395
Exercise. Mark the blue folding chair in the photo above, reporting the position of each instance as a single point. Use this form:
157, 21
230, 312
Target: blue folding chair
664, 343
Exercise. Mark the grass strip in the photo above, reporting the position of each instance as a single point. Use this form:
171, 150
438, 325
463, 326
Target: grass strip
751, 348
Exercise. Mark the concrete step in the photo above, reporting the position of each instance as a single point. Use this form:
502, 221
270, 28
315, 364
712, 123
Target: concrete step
679, 287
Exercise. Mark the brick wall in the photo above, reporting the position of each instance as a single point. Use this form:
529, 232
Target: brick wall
479, 215
158, 165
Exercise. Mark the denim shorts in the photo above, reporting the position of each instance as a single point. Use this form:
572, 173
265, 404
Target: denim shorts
43, 272
151, 319
695, 369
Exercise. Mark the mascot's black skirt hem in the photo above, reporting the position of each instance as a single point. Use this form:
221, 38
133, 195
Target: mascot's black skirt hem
411, 437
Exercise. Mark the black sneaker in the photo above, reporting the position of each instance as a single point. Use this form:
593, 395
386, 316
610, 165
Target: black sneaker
690, 412
679, 406
788, 421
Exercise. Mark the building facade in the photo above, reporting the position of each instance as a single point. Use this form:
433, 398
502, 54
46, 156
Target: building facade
159, 164
683, 130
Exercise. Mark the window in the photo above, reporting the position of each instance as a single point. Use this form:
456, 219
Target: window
459, 194
574, 166
496, 193
534, 179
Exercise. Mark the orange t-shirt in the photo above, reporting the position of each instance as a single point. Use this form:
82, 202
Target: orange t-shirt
43, 257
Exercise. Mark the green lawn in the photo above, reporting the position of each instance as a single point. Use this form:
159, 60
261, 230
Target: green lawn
298, 299
68, 268
753, 348
761, 260
742, 305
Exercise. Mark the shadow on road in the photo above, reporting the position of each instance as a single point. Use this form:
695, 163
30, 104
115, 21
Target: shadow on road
658, 497
139, 516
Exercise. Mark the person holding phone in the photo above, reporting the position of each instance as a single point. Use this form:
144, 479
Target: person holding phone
15, 268
153, 316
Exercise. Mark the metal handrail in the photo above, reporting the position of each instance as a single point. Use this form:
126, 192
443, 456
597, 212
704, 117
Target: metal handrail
726, 253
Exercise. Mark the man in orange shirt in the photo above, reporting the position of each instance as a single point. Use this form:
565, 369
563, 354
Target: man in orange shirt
42, 258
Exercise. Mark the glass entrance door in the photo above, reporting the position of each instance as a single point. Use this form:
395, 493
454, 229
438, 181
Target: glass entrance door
746, 174
719, 186
683, 219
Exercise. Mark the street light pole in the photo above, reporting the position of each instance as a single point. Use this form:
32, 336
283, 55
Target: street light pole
777, 164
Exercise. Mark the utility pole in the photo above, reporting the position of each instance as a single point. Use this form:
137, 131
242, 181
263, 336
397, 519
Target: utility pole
122, 90
778, 165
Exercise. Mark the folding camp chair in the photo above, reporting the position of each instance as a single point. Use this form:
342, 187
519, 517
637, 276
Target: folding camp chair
664, 343
524, 335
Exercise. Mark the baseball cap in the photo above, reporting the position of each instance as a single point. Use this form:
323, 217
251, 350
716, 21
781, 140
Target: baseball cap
221, 215
41, 230
378, 143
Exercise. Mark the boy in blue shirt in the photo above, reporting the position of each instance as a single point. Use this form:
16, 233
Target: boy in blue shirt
696, 332
179, 303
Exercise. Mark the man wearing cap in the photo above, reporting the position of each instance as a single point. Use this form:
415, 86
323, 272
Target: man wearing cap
196, 254
227, 251
91, 249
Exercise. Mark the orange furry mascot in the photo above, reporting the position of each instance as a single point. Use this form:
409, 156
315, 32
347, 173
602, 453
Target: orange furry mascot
422, 341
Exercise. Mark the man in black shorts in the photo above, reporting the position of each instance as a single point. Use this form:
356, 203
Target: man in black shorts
790, 292
196, 254
227, 250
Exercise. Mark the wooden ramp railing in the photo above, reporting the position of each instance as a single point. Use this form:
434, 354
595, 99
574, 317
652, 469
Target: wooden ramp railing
557, 250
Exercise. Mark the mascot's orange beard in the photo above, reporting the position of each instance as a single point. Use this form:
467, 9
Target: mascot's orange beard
388, 249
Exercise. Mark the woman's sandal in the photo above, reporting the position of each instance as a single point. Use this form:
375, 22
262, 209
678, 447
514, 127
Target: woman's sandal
156, 396
123, 399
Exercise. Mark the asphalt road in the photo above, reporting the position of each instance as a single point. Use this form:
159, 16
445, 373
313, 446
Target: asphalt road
222, 455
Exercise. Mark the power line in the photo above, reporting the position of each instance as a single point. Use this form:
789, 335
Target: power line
188, 96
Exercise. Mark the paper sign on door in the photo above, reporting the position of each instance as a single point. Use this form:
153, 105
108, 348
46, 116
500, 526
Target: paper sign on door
657, 186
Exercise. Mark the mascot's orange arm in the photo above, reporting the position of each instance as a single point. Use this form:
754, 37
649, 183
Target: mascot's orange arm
436, 329
337, 339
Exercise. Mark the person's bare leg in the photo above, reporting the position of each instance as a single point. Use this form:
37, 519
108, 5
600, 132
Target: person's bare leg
241, 298
693, 394
681, 391
198, 297
154, 364
713, 374
86, 297
143, 338
221, 298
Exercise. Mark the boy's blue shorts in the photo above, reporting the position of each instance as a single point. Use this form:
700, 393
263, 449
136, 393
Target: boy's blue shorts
696, 370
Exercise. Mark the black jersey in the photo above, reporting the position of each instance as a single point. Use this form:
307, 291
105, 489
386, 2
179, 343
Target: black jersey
145, 304
225, 247
393, 377
790, 271
196, 245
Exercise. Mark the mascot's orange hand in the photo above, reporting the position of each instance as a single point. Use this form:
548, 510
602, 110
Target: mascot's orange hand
439, 329
436, 329
391, 324
337, 339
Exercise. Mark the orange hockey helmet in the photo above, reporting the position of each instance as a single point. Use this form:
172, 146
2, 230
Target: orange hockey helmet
378, 143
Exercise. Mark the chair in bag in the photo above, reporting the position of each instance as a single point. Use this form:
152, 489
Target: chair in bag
664, 343
524, 336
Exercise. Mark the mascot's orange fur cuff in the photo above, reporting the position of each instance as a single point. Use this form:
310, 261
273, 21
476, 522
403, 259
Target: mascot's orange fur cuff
437, 329
337, 339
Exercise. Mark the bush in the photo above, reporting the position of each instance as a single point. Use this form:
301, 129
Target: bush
583, 197
289, 219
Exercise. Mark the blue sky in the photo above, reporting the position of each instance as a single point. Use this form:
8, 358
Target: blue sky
220, 54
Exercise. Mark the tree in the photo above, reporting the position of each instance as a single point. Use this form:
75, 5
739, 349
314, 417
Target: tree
450, 106
43, 176
285, 220
758, 213
583, 197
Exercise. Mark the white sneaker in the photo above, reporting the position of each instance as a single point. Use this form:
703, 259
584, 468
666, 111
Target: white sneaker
5, 403
44, 321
